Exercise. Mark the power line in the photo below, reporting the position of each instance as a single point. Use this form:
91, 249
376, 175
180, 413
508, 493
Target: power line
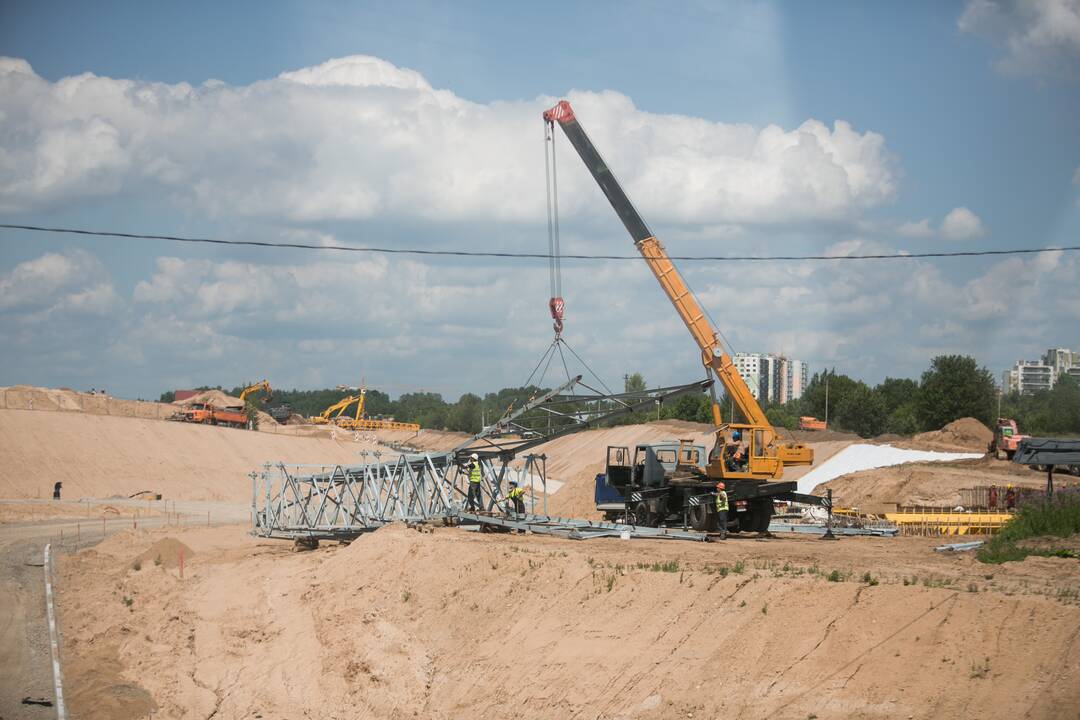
535, 256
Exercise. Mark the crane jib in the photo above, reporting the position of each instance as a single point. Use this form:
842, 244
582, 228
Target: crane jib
635, 225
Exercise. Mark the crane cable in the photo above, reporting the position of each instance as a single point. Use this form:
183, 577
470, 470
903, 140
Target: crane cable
556, 304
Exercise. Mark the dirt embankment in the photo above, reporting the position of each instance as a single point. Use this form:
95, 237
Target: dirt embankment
461, 625
96, 456
937, 484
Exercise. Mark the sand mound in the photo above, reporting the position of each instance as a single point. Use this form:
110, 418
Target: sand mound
165, 552
213, 397
967, 433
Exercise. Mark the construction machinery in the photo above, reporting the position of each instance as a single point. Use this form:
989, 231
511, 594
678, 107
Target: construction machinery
812, 423
1007, 439
332, 413
747, 456
261, 385
336, 414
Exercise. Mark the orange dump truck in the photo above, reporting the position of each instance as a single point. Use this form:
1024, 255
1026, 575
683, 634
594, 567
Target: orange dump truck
811, 423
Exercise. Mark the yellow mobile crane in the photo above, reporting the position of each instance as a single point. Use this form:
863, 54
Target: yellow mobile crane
762, 454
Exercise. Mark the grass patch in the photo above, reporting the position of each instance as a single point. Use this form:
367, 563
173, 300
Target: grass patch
1056, 517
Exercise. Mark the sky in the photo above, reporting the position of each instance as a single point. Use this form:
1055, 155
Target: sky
738, 128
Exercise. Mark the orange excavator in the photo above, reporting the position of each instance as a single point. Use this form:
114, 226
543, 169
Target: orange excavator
748, 456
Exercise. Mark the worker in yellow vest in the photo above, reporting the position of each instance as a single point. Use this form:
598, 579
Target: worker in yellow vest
474, 501
721, 509
517, 497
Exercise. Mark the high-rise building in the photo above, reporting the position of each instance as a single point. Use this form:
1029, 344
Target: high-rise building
1060, 359
749, 367
1030, 376
772, 378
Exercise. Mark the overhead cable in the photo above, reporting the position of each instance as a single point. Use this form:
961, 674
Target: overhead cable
536, 256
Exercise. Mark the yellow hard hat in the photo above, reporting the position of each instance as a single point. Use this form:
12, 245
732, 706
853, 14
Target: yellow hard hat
1010, 486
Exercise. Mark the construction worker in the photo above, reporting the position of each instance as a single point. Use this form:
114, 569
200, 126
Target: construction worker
474, 485
721, 509
993, 497
1010, 497
736, 452
56, 490
516, 496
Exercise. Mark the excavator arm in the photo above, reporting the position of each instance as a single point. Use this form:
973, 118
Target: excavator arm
263, 385
771, 456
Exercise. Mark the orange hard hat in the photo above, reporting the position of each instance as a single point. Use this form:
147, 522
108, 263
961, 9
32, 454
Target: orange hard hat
719, 486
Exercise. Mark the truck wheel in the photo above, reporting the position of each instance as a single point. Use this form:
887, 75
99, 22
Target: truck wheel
764, 513
1009, 454
701, 519
642, 516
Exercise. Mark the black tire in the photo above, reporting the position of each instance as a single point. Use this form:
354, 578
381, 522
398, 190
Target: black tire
757, 517
764, 515
642, 516
701, 519
1009, 454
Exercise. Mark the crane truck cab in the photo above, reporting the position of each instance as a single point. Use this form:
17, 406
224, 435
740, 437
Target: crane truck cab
666, 483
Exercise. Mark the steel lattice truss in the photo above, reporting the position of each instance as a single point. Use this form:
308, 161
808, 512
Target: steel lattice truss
344, 501
338, 501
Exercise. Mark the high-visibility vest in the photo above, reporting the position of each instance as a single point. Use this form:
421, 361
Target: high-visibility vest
516, 492
474, 472
721, 501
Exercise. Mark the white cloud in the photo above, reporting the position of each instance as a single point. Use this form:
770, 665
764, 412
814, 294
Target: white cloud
961, 224
70, 282
358, 138
920, 229
1037, 35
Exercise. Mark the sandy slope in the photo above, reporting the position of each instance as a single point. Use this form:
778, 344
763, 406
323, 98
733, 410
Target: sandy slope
935, 484
101, 456
459, 625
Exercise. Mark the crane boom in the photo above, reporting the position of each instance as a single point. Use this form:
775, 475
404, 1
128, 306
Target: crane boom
772, 456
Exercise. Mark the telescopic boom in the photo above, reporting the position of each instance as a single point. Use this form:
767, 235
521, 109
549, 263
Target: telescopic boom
767, 457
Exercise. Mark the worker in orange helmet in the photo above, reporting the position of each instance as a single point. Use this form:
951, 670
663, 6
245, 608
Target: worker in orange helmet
721, 509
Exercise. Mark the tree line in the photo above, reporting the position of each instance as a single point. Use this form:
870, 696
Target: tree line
952, 387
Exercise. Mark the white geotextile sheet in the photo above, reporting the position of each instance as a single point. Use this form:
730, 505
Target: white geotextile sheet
866, 457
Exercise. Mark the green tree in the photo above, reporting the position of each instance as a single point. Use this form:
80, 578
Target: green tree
693, 408
955, 386
634, 382
903, 420
895, 392
167, 397
861, 410
464, 415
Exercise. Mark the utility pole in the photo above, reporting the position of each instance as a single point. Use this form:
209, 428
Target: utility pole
826, 400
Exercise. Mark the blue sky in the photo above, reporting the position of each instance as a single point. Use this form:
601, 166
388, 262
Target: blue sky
965, 110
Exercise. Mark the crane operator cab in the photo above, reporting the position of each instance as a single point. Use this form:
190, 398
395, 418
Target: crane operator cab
736, 449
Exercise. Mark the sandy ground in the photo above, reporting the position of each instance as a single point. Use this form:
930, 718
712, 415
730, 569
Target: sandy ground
453, 624
935, 484
103, 456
